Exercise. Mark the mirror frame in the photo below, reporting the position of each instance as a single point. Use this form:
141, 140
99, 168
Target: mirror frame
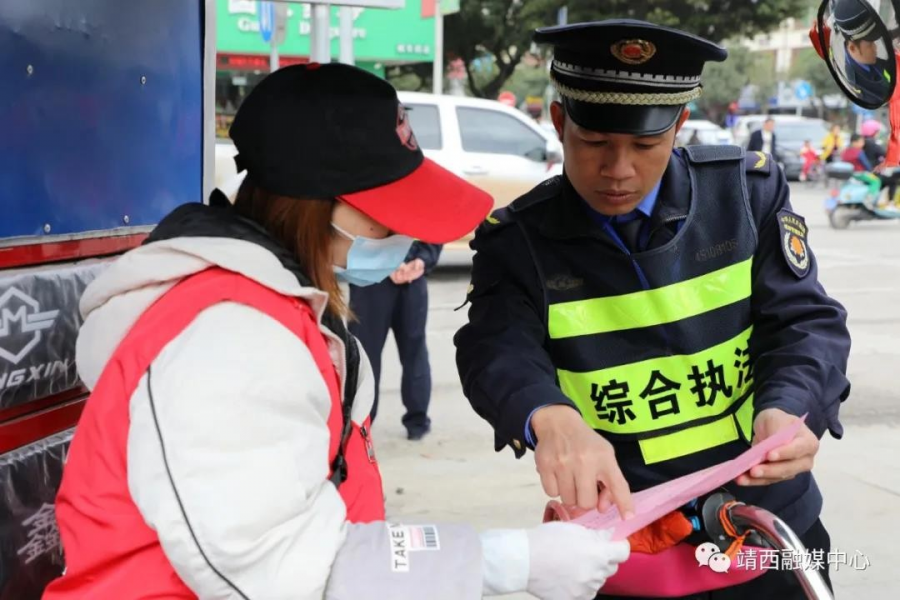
820, 25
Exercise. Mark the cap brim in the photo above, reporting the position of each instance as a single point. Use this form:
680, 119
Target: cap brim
618, 118
430, 204
875, 36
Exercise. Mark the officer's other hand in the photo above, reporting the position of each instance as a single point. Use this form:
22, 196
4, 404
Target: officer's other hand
574, 462
787, 461
571, 562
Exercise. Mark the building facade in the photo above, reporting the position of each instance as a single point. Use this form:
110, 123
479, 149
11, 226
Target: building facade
380, 38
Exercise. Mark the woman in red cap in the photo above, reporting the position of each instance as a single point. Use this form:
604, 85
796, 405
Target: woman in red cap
225, 450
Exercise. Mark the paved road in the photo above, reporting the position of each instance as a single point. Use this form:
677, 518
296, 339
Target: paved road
455, 475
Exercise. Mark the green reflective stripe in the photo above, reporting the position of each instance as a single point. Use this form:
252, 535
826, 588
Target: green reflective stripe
653, 307
662, 393
689, 441
696, 439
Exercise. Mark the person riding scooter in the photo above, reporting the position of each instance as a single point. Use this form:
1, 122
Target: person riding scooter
855, 154
876, 154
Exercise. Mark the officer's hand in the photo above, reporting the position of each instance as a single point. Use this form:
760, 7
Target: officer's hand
787, 461
572, 460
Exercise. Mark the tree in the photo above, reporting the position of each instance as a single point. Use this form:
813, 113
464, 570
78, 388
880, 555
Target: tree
528, 81
714, 19
808, 66
763, 77
498, 32
501, 30
413, 77
725, 82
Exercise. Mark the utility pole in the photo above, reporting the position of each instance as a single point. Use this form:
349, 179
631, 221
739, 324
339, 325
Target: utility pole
438, 72
346, 28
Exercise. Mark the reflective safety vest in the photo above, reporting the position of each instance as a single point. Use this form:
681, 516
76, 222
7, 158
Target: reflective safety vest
653, 347
110, 550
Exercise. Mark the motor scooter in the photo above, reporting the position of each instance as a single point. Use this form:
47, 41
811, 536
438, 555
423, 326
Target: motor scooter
857, 198
718, 518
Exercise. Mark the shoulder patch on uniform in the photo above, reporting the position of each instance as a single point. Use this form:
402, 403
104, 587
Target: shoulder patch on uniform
794, 243
758, 162
713, 154
498, 219
501, 217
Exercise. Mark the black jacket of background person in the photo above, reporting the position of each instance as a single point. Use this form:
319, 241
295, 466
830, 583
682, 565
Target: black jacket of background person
756, 143
429, 253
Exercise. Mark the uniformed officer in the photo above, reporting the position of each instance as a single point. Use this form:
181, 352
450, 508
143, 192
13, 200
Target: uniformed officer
665, 299
400, 303
868, 74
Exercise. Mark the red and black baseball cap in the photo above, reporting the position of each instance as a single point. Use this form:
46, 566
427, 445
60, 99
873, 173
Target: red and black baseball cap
337, 131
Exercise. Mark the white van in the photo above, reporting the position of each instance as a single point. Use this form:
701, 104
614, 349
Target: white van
498, 148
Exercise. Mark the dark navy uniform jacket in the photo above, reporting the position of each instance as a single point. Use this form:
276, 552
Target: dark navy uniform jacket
872, 81
799, 348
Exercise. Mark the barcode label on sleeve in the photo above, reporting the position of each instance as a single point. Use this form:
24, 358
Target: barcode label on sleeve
424, 537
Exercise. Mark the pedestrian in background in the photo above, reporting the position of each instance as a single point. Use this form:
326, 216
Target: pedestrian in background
832, 144
810, 159
400, 303
764, 140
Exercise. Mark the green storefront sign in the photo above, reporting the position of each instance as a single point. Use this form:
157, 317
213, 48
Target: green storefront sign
400, 35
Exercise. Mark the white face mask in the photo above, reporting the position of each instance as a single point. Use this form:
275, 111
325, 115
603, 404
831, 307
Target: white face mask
371, 261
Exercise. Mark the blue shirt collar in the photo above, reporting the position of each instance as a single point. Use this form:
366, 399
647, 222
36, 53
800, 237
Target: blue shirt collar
867, 68
649, 202
645, 208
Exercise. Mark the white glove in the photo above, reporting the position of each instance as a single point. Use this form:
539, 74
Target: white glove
571, 562
554, 561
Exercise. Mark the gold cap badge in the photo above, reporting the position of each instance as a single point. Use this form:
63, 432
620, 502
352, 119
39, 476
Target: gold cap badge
633, 52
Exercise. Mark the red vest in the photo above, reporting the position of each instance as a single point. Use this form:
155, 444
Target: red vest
110, 551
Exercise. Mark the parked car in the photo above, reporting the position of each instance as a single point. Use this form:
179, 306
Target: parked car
790, 132
226, 178
790, 135
747, 124
500, 149
548, 126
699, 131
